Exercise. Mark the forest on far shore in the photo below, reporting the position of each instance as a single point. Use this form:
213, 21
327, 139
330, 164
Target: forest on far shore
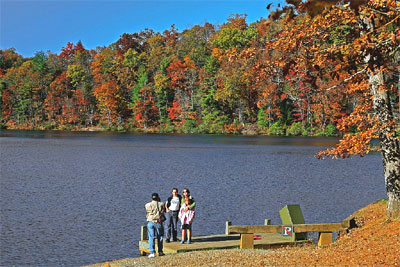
276, 76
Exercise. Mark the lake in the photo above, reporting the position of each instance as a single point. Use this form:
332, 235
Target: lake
76, 198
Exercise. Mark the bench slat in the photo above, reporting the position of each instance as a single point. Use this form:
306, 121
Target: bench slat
298, 228
250, 229
323, 227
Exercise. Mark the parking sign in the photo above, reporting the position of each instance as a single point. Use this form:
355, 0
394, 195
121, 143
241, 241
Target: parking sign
287, 230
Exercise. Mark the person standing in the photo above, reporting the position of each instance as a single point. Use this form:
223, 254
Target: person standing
172, 207
186, 194
155, 229
191, 206
186, 216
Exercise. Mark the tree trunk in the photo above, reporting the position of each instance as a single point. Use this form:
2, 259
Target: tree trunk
390, 148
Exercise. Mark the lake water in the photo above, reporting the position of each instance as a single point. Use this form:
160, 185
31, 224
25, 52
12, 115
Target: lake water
78, 198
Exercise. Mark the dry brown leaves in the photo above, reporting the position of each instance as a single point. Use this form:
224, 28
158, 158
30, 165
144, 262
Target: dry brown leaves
375, 243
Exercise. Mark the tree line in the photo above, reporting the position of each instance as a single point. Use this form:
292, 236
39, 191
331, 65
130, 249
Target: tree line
310, 68
207, 79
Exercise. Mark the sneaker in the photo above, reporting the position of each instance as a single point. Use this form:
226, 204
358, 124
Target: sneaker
188, 242
175, 239
152, 255
161, 254
182, 242
167, 241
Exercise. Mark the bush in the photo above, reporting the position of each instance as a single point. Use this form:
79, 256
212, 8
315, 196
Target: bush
249, 129
317, 131
121, 128
306, 131
330, 130
189, 126
262, 122
48, 125
3, 126
233, 128
66, 127
211, 123
295, 129
277, 128
166, 126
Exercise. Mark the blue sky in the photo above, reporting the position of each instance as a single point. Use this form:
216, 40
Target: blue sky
30, 25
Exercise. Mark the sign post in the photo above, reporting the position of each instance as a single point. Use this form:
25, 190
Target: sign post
292, 215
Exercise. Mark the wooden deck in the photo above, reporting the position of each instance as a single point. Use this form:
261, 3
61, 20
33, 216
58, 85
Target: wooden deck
267, 241
292, 232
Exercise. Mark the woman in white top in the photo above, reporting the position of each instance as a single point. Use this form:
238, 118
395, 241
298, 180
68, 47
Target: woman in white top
172, 207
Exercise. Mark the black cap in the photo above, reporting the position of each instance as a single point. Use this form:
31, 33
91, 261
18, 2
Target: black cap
155, 196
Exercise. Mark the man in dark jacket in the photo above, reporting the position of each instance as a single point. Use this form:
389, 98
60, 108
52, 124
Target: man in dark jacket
172, 207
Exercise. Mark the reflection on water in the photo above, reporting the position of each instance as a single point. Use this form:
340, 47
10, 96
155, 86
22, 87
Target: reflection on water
78, 198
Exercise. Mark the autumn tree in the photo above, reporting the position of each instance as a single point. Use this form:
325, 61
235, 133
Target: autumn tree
81, 82
128, 41
136, 105
25, 91
184, 81
57, 94
195, 43
212, 116
234, 87
106, 87
9, 58
353, 50
164, 94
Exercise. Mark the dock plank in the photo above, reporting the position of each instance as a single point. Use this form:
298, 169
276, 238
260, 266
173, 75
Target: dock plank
220, 242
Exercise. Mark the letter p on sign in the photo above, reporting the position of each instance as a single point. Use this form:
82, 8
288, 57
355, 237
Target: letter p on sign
287, 230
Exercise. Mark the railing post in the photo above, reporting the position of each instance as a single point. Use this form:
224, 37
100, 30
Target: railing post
143, 233
227, 224
246, 241
324, 239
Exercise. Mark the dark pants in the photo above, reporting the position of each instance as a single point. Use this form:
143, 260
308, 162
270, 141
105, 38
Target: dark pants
172, 225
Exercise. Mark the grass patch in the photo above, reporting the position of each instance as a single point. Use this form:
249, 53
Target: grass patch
382, 201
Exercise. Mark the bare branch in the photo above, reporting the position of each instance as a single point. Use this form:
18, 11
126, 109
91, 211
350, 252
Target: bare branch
347, 79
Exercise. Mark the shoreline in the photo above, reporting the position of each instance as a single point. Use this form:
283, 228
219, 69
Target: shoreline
156, 130
374, 231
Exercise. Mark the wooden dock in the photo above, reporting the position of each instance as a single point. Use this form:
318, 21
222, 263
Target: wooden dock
292, 232
211, 242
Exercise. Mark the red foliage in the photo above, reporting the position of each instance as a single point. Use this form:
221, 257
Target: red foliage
173, 112
68, 51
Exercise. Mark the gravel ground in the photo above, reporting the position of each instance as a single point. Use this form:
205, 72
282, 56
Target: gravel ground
375, 243
231, 257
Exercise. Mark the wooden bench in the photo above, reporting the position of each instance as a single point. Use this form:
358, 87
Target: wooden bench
247, 231
298, 231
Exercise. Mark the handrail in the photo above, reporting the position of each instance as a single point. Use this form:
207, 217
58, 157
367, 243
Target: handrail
297, 228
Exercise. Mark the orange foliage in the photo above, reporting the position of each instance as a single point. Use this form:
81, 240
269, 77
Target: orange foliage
233, 128
375, 243
323, 71
174, 111
108, 103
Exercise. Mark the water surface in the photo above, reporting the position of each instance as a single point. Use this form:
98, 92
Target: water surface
78, 198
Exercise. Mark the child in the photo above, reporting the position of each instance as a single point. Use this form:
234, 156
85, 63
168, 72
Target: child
186, 218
